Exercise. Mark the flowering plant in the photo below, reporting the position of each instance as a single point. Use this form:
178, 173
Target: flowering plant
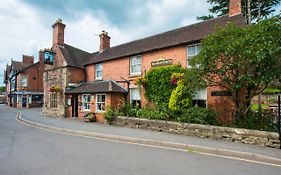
175, 78
55, 89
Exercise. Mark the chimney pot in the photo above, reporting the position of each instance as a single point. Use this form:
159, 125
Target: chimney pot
235, 7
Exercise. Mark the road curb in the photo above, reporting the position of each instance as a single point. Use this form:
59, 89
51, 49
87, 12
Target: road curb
172, 145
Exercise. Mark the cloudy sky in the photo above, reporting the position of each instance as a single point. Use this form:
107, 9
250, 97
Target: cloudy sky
26, 25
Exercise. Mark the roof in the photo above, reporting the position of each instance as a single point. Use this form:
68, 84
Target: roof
97, 87
26, 68
18, 66
73, 56
180, 36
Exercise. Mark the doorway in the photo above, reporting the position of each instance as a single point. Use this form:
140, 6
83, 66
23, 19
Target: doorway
24, 101
74, 105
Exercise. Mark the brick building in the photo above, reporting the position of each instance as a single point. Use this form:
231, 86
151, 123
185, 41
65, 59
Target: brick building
106, 77
64, 68
24, 83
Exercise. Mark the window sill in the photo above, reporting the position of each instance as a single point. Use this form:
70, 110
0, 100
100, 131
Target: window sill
135, 75
98, 79
99, 112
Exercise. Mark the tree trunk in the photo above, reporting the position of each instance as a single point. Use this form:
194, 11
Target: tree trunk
249, 11
242, 106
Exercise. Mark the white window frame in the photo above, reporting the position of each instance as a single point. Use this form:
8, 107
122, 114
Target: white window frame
190, 56
206, 95
23, 83
97, 110
53, 101
98, 70
135, 88
86, 102
137, 64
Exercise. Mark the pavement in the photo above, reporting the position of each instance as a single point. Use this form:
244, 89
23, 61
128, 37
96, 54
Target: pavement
146, 137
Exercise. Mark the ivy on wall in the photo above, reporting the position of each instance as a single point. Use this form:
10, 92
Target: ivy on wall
158, 86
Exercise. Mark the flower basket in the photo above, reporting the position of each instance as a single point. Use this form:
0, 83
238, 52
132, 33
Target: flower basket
55, 89
90, 117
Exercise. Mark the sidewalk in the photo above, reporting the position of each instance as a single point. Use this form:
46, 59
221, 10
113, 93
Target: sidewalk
73, 123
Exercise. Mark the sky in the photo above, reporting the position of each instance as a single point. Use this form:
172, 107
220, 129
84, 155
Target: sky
26, 25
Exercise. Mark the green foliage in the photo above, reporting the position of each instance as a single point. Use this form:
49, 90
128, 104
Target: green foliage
181, 97
109, 114
2, 88
271, 91
243, 60
157, 84
220, 7
197, 115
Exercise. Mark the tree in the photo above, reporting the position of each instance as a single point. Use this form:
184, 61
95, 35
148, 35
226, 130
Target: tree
2, 88
242, 60
260, 9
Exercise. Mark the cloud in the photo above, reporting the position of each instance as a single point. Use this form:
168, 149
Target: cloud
26, 28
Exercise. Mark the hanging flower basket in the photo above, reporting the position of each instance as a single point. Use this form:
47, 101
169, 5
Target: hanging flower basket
55, 89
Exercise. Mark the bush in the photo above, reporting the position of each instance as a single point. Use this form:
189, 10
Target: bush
197, 115
109, 114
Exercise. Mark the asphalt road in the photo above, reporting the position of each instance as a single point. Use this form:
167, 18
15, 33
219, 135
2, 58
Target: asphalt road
27, 151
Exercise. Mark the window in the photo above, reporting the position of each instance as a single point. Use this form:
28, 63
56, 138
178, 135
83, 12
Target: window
99, 71
100, 103
200, 98
86, 102
135, 97
192, 51
135, 65
53, 100
23, 81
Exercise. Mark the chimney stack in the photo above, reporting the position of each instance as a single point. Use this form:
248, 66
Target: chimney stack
28, 59
235, 7
104, 41
58, 33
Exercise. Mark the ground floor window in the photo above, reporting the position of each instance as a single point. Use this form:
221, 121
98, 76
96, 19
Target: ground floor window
135, 97
86, 98
200, 98
100, 107
53, 100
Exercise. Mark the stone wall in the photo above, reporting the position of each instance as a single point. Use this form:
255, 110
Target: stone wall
247, 136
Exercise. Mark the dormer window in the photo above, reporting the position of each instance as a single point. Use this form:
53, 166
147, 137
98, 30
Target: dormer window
49, 57
99, 71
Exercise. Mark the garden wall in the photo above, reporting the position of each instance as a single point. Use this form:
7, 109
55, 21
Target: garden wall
262, 138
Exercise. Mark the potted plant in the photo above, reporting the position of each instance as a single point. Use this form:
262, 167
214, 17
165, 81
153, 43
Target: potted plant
90, 117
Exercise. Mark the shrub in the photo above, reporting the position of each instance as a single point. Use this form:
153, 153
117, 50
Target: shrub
109, 114
181, 97
197, 115
157, 84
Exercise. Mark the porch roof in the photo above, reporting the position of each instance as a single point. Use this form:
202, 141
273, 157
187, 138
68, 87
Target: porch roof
97, 87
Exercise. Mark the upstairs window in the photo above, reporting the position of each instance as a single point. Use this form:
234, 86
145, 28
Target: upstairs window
192, 51
23, 82
86, 102
99, 71
135, 65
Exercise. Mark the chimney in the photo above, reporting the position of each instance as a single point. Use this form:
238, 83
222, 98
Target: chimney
104, 41
235, 7
58, 33
41, 56
28, 59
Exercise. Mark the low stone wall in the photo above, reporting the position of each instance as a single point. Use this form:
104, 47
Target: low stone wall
247, 136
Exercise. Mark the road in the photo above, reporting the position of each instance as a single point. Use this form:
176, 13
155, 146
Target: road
30, 151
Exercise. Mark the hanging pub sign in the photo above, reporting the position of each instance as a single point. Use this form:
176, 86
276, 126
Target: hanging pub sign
221, 93
49, 57
161, 62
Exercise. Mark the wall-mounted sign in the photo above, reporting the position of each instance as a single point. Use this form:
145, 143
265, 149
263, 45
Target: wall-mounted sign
49, 57
161, 63
221, 93
69, 101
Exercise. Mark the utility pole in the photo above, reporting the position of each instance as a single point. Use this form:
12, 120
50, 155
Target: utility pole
249, 11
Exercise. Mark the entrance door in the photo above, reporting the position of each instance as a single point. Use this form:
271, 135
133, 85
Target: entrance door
24, 101
74, 105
